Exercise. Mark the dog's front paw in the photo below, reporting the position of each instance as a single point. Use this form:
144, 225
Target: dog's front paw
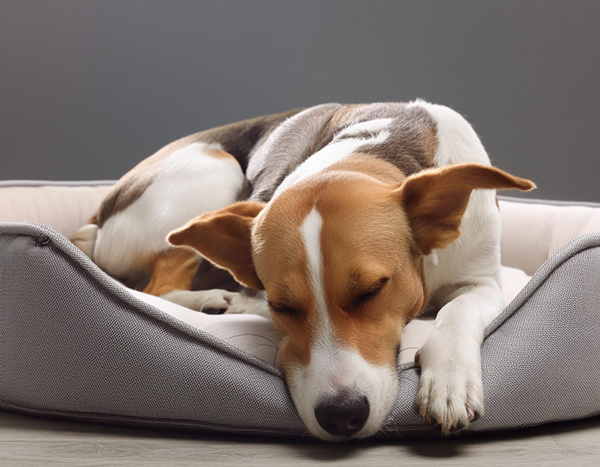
218, 301
214, 301
450, 395
249, 305
237, 305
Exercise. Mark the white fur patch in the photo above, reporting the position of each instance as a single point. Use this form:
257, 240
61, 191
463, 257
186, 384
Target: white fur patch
189, 183
334, 367
457, 139
371, 126
451, 391
311, 236
85, 239
329, 155
475, 256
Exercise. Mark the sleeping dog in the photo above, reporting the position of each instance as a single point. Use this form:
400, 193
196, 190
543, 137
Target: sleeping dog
340, 222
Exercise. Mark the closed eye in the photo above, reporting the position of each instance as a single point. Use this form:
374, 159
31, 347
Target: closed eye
371, 292
284, 310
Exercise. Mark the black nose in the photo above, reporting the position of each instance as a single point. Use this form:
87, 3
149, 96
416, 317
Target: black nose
343, 414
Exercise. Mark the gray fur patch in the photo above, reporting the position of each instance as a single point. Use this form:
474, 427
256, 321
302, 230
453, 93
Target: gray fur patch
286, 147
413, 142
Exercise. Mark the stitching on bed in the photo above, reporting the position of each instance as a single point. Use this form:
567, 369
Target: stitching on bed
125, 418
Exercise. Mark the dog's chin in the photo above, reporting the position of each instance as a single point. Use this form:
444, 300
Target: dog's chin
372, 426
368, 430
342, 377
379, 414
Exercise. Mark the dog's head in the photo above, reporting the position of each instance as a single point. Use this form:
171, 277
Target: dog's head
340, 259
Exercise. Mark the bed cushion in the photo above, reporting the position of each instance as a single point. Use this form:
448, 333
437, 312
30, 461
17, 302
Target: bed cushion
76, 344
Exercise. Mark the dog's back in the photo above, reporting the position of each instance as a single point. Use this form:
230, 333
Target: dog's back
211, 169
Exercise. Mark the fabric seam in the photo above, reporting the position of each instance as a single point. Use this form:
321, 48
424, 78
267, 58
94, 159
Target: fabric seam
149, 420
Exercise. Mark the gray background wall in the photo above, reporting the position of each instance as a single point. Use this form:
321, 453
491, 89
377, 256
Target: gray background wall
89, 88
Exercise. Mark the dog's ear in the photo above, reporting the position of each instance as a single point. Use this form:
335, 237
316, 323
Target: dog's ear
223, 237
435, 200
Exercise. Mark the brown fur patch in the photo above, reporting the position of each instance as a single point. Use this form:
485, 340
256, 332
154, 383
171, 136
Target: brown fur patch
219, 154
435, 200
361, 164
223, 237
364, 235
174, 269
282, 263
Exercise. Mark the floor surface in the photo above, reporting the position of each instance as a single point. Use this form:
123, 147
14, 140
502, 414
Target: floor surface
30, 441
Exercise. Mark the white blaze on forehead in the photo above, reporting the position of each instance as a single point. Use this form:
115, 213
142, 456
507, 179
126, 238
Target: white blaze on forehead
338, 150
310, 231
333, 366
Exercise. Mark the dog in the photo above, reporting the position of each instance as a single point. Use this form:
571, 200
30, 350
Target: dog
341, 223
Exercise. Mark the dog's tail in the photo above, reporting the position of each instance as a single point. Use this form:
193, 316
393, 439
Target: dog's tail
85, 238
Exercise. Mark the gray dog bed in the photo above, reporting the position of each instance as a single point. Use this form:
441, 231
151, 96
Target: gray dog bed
75, 344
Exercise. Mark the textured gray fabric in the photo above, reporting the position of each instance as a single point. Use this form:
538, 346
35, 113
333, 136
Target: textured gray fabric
541, 356
73, 344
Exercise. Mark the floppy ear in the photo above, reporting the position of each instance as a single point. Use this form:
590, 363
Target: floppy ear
435, 200
223, 238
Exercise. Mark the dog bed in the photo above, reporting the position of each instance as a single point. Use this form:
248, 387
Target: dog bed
75, 344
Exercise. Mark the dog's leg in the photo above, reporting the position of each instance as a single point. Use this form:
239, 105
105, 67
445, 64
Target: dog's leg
219, 301
172, 276
451, 392
174, 269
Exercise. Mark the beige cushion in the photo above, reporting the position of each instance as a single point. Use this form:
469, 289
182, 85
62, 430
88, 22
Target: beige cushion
532, 232
65, 208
